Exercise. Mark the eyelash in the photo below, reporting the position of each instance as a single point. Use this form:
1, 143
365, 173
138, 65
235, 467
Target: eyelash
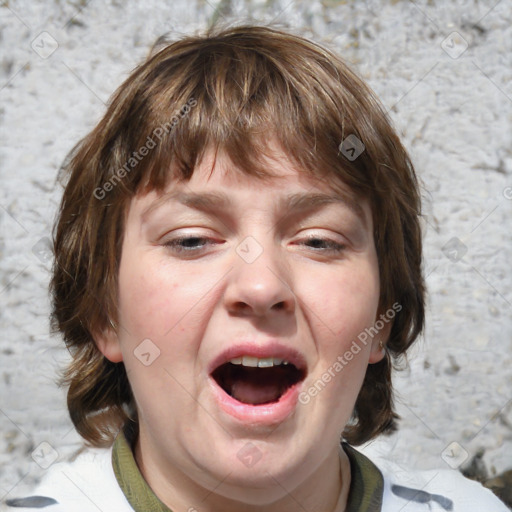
175, 244
333, 246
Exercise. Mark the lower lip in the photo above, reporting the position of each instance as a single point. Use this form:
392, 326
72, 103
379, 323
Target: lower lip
275, 412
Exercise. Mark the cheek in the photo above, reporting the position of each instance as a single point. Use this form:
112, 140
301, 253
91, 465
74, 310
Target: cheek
153, 299
143, 299
168, 306
157, 341
344, 303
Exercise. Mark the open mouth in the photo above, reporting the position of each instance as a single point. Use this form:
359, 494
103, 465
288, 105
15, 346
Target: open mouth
257, 381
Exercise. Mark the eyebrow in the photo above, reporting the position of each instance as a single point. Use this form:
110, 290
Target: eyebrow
292, 203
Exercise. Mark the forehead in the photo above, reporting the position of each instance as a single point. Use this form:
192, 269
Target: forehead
278, 173
217, 184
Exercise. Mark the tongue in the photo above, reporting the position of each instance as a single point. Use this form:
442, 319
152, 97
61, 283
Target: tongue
249, 393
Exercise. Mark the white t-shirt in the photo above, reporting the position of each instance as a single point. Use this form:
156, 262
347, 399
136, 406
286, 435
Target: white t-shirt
89, 484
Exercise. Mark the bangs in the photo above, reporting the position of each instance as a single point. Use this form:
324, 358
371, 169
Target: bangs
240, 99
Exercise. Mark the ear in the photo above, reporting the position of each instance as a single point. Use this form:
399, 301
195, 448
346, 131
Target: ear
380, 339
108, 344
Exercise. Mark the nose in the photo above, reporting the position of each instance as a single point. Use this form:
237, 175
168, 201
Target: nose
260, 282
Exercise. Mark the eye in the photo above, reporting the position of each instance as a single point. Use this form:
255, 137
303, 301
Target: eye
318, 243
195, 244
188, 244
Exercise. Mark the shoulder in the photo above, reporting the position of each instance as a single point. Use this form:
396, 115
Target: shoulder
87, 484
434, 490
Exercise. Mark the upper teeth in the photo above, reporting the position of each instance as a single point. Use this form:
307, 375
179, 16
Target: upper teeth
260, 362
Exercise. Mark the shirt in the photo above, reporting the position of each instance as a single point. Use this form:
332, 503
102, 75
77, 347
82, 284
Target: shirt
109, 480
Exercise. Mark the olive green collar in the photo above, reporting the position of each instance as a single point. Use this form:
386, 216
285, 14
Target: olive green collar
132, 483
366, 483
365, 495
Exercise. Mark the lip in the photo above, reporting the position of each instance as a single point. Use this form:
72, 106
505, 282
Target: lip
263, 414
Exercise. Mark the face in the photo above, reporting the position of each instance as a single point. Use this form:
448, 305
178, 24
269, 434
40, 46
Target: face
240, 307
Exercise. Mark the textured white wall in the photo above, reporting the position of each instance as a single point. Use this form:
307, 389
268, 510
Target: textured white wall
453, 106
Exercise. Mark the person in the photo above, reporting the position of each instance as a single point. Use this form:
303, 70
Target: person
238, 264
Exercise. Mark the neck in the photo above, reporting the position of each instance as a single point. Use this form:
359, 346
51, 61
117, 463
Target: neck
325, 489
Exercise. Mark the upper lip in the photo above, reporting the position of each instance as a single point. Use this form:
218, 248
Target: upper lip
260, 350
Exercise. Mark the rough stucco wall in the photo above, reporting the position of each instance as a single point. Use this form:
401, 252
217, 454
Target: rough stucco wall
453, 106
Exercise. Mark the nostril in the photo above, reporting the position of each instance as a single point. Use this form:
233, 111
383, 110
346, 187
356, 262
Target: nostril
242, 307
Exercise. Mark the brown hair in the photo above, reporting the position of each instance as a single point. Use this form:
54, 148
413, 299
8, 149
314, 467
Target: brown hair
230, 89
